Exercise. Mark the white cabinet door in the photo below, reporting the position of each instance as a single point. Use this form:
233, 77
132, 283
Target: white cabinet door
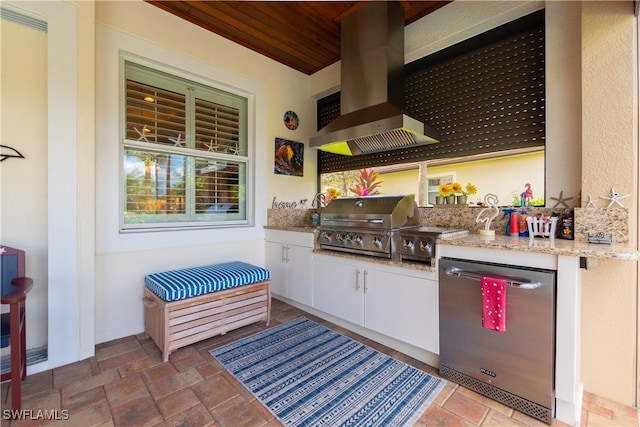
275, 256
289, 256
338, 289
402, 307
300, 274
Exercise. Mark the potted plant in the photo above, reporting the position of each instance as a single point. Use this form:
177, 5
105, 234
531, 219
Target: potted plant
462, 193
446, 193
368, 183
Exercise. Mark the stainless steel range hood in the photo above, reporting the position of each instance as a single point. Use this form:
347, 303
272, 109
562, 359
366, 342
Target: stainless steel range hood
372, 77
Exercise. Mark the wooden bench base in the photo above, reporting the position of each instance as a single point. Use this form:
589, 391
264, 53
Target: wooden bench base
176, 324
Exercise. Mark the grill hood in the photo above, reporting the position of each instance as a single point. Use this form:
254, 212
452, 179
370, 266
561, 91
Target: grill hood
372, 77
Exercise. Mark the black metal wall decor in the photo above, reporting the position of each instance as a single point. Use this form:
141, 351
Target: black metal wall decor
8, 152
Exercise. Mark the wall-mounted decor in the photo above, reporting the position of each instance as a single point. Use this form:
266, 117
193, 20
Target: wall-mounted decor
9, 152
291, 120
289, 157
614, 198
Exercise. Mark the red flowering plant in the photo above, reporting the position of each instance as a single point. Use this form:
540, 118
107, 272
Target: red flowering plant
368, 183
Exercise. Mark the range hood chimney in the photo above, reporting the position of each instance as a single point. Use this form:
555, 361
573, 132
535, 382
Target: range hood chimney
372, 78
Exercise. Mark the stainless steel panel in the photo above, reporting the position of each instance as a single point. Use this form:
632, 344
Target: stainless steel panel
375, 212
520, 360
359, 241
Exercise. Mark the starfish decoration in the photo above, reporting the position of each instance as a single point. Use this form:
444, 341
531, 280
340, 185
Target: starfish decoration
176, 141
211, 146
143, 134
591, 203
615, 198
560, 200
235, 150
2, 250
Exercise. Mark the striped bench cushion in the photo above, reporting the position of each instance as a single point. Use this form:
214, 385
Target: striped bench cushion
190, 282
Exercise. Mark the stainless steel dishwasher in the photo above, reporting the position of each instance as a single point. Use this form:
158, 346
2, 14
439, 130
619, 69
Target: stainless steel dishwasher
516, 366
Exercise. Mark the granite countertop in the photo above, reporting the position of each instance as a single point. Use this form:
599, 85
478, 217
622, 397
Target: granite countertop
621, 251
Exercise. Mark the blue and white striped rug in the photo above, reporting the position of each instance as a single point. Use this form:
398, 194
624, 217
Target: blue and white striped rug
309, 375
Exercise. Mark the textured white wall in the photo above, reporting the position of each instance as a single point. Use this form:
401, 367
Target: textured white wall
23, 182
123, 259
610, 158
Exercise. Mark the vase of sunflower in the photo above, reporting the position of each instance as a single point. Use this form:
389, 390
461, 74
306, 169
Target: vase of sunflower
462, 193
446, 193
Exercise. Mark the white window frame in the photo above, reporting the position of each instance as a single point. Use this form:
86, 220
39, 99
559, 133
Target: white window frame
435, 190
246, 161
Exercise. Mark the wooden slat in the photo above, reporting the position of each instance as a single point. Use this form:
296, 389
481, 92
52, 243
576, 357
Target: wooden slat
181, 320
209, 323
304, 35
173, 325
230, 324
224, 300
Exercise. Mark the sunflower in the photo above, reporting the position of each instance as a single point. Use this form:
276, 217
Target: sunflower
470, 189
456, 188
445, 190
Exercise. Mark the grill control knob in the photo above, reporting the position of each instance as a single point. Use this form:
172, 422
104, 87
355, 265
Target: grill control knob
340, 237
376, 241
357, 239
326, 236
425, 246
407, 243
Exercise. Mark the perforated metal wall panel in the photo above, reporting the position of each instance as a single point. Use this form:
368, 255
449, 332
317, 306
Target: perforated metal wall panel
483, 99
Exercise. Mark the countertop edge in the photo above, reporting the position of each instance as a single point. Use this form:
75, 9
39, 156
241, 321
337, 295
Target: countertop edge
617, 251
575, 248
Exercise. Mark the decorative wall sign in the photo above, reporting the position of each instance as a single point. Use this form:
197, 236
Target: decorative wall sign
275, 204
289, 157
291, 120
9, 152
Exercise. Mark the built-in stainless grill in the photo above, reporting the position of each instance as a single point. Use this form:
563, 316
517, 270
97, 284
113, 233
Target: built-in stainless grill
381, 226
366, 225
418, 244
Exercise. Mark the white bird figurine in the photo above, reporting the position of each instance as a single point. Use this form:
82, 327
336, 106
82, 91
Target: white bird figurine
490, 200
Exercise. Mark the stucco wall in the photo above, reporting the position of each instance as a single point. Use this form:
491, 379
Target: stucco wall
610, 159
502, 177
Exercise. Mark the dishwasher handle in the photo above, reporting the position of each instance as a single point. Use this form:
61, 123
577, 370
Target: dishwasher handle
511, 281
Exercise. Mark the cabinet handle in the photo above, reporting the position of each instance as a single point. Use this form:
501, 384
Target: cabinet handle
286, 252
358, 280
366, 288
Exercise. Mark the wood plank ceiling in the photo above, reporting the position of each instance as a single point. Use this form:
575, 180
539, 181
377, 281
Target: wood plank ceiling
304, 35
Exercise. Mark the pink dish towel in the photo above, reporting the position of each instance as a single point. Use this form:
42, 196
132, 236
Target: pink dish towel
494, 303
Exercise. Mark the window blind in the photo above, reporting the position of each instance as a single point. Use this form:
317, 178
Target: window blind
154, 114
185, 152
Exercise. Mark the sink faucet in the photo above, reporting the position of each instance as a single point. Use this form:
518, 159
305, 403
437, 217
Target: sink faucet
318, 200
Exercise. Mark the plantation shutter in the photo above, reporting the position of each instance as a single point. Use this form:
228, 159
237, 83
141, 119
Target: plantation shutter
154, 113
186, 151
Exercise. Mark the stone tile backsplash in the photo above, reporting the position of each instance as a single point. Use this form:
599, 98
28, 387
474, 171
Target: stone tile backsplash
612, 222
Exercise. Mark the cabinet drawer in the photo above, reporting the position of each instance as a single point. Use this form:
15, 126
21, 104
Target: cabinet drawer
290, 237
